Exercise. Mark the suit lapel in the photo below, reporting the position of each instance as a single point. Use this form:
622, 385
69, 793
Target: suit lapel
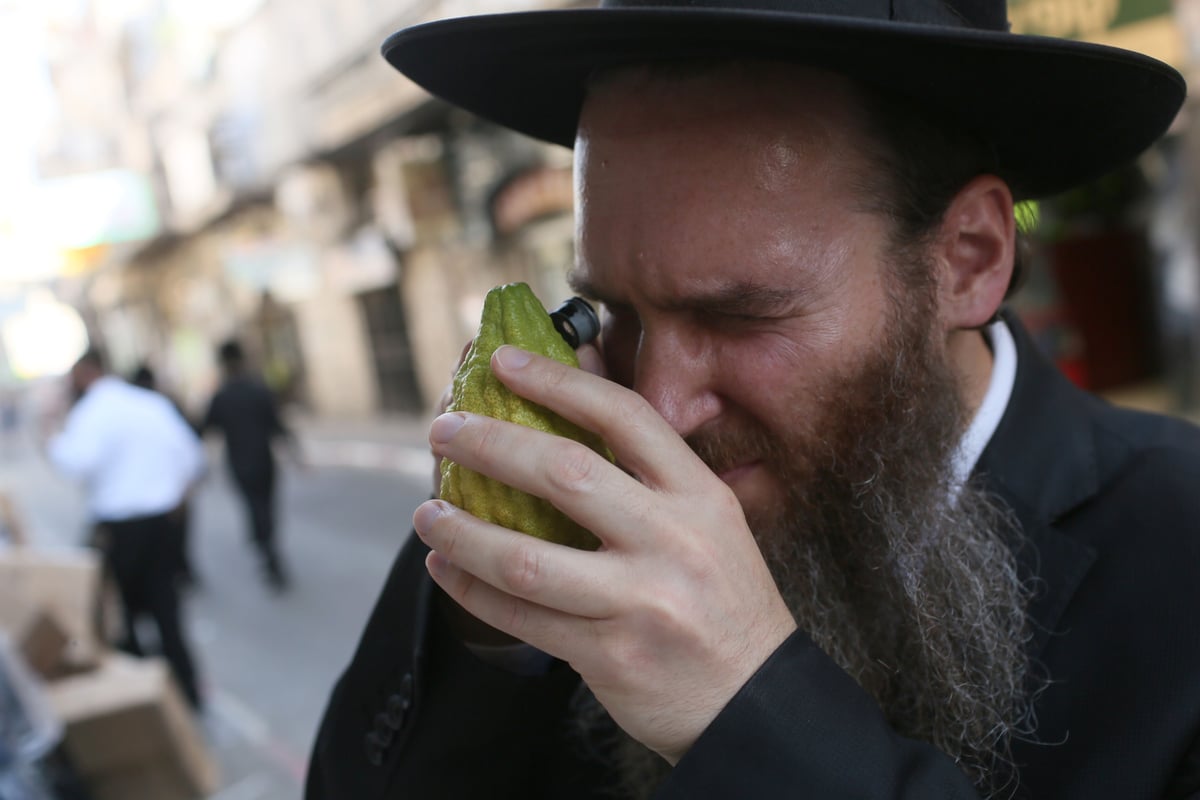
1042, 461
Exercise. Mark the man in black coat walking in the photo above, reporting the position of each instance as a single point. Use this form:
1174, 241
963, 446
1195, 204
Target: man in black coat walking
245, 411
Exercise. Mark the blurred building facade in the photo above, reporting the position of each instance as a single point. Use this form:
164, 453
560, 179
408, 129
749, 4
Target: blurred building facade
314, 203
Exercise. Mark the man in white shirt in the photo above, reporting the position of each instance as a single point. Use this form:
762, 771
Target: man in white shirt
138, 460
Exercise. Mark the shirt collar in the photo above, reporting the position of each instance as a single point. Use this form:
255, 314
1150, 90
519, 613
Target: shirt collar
995, 401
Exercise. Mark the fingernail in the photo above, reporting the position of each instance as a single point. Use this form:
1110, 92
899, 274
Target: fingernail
512, 357
426, 514
435, 562
444, 427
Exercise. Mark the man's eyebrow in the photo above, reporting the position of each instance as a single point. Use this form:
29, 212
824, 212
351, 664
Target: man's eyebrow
583, 287
740, 298
733, 298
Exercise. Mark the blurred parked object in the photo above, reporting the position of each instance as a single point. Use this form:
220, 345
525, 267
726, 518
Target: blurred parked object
79, 721
130, 733
62, 583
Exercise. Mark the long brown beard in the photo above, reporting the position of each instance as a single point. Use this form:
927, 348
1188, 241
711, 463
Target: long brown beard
906, 581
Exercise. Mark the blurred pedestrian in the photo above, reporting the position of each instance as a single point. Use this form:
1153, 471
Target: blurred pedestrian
185, 570
10, 421
244, 410
138, 460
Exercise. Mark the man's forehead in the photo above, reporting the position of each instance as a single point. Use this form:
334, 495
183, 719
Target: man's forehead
768, 110
745, 126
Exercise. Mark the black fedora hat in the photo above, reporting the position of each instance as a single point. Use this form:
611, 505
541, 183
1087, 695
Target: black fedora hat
1059, 112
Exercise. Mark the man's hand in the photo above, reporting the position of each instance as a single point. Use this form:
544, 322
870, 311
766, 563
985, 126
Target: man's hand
675, 611
590, 359
468, 628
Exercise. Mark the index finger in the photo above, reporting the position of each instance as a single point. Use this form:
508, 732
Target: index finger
642, 441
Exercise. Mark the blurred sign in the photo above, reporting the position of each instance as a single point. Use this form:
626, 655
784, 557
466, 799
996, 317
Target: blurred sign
1146, 26
288, 271
79, 261
81, 211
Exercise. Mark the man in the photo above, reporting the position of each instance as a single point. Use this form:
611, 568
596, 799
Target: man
244, 411
139, 460
186, 572
861, 539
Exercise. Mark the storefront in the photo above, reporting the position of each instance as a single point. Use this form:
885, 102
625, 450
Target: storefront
1099, 292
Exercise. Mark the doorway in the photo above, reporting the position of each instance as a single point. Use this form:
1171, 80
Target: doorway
391, 351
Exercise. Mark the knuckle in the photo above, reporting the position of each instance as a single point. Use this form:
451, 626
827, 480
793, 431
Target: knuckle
555, 377
449, 539
626, 656
516, 617
637, 412
636, 648
466, 588
489, 437
725, 502
618, 650
521, 569
573, 468
695, 560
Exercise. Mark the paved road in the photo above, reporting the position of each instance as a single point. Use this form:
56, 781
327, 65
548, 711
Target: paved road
269, 660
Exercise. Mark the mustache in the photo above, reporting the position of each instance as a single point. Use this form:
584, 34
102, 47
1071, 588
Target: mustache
732, 444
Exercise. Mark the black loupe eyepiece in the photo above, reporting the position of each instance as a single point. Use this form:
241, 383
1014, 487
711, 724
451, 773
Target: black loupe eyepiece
576, 321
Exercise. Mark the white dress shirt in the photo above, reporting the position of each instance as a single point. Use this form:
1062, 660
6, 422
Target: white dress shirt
995, 401
132, 450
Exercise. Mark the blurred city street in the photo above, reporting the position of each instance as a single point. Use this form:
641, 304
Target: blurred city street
176, 185
268, 660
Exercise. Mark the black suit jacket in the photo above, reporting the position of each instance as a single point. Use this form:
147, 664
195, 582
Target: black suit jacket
1109, 501
244, 410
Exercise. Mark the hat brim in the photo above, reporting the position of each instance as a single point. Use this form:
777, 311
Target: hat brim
1059, 112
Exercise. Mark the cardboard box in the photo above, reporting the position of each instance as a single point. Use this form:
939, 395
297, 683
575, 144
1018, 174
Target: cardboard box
43, 642
131, 734
64, 582
149, 783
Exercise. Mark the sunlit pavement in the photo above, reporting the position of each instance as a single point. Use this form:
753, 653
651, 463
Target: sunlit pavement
268, 660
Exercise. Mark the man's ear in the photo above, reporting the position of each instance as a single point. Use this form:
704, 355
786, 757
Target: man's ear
975, 252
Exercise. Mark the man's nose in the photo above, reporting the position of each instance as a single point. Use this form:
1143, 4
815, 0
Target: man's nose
675, 374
